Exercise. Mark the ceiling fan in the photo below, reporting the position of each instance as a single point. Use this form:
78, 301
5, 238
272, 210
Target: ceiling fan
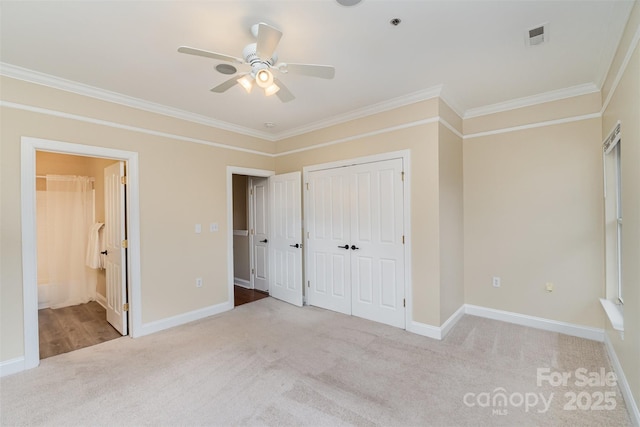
262, 59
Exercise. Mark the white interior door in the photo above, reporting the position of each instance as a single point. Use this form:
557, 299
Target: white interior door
285, 243
362, 207
260, 233
329, 241
114, 236
377, 251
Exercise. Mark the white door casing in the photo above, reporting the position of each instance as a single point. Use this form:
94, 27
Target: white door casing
362, 207
114, 235
259, 233
285, 241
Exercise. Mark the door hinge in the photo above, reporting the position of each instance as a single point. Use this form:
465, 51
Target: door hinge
307, 186
402, 174
308, 283
404, 302
125, 306
307, 234
403, 239
125, 244
251, 191
123, 179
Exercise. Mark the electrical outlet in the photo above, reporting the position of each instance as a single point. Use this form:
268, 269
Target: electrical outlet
198, 282
496, 282
213, 227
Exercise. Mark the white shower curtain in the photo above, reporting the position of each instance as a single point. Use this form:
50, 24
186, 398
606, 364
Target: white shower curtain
68, 212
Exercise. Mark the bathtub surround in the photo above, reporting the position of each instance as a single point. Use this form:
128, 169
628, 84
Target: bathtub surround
65, 215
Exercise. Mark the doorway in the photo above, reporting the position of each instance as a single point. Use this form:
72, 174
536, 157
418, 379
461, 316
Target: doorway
250, 238
73, 309
29, 147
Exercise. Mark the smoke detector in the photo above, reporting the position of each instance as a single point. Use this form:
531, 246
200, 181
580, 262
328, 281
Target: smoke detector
537, 35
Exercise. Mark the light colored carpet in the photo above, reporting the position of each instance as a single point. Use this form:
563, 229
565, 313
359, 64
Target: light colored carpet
270, 363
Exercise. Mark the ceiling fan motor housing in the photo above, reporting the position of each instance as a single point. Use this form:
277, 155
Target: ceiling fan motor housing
251, 57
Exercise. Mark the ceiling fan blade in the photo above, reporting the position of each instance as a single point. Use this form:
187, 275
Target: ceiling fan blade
207, 54
322, 71
222, 87
283, 94
268, 39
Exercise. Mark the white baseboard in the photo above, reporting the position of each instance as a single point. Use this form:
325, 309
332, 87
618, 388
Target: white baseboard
632, 407
425, 330
102, 300
12, 366
181, 319
242, 283
436, 332
587, 332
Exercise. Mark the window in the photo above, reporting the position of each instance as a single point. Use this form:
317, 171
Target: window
612, 149
612, 156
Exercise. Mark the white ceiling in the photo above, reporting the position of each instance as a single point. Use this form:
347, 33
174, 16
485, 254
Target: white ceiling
474, 51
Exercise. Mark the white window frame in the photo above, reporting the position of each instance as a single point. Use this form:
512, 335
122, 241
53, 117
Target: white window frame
613, 304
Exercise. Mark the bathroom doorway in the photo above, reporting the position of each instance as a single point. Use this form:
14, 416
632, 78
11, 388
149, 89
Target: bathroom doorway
72, 279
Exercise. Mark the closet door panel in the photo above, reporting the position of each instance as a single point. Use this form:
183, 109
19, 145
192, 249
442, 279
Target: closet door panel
378, 254
328, 278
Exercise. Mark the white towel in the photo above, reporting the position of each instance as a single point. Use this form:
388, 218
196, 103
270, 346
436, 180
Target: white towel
94, 259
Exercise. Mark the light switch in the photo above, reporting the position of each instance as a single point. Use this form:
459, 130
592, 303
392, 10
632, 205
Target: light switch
198, 228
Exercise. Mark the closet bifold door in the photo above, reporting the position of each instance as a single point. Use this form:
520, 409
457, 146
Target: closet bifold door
377, 251
329, 278
355, 249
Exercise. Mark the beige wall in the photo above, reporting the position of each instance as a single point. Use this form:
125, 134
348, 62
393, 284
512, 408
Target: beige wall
533, 214
181, 184
625, 106
451, 223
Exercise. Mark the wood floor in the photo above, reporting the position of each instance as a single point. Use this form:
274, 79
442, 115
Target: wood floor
70, 328
242, 295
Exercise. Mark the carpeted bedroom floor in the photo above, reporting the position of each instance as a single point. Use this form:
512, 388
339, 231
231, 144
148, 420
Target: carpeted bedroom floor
270, 363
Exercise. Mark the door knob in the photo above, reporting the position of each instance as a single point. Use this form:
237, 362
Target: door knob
344, 247
264, 241
354, 248
297, 245
103, 252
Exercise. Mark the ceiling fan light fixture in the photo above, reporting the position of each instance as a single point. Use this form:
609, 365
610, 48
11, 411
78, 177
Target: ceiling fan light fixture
273, 88
246, 83
264, 78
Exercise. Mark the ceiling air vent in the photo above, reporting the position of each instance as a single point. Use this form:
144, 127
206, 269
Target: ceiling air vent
537, 35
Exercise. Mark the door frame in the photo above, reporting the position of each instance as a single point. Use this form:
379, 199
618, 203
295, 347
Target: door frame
29, 146
236, 170
405, 155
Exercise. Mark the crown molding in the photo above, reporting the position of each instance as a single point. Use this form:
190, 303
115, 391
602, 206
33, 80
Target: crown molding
528, 101
359, 113
20, 73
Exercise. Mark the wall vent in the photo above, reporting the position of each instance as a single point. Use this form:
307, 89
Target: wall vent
537, 35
